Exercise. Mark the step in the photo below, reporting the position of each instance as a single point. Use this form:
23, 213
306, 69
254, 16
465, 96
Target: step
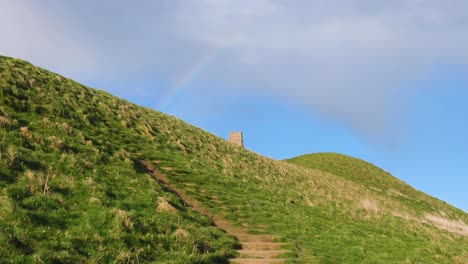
262, 245
236, 231
256, 238
261, 253
222, 223
257, 261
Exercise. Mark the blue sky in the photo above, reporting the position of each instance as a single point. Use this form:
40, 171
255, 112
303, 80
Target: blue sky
385, 81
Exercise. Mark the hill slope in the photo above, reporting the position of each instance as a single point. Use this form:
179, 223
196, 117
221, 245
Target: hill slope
72, 190
374, 179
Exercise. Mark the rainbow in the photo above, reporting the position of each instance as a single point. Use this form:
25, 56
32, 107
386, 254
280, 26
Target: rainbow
182, 82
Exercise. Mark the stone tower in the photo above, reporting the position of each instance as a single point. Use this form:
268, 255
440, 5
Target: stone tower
236, 138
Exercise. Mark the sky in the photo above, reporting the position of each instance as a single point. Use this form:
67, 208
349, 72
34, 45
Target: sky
385, 81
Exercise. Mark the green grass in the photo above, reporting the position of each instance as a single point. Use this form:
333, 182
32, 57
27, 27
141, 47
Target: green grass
374, 179
99, 205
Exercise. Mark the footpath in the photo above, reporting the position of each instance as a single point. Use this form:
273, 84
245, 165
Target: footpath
256, 249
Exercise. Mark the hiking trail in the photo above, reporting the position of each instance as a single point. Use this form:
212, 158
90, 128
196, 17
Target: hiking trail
256, 249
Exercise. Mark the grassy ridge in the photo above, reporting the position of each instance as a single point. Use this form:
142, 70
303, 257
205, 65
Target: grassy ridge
84, 144
373, 178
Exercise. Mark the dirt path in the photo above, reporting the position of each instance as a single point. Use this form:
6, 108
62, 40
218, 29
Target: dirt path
256, 249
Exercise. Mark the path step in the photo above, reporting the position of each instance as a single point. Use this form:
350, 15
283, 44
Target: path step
223, 223
257, 261
235, 231
261, 253
262, 245
256, 238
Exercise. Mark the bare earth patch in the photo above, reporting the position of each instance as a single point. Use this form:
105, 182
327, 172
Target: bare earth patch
440, 222
369, 204
452, 226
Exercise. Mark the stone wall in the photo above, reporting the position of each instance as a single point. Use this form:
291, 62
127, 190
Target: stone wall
236, 138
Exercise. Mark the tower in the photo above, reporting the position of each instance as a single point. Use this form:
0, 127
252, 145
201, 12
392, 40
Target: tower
236, 138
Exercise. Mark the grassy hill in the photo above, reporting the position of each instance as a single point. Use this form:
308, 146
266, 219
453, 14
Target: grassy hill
72, 189
396, 192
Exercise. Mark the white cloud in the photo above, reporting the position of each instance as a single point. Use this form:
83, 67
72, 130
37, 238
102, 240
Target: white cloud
345, 59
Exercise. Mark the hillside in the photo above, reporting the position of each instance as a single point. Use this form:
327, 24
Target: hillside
72, 189
376, 180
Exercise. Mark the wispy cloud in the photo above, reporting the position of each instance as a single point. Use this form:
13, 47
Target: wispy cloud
342, 59
29, 30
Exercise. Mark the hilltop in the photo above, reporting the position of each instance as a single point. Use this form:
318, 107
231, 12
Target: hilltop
72, 189
399, 197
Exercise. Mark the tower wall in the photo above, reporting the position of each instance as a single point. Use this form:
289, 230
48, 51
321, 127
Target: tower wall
236, 138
